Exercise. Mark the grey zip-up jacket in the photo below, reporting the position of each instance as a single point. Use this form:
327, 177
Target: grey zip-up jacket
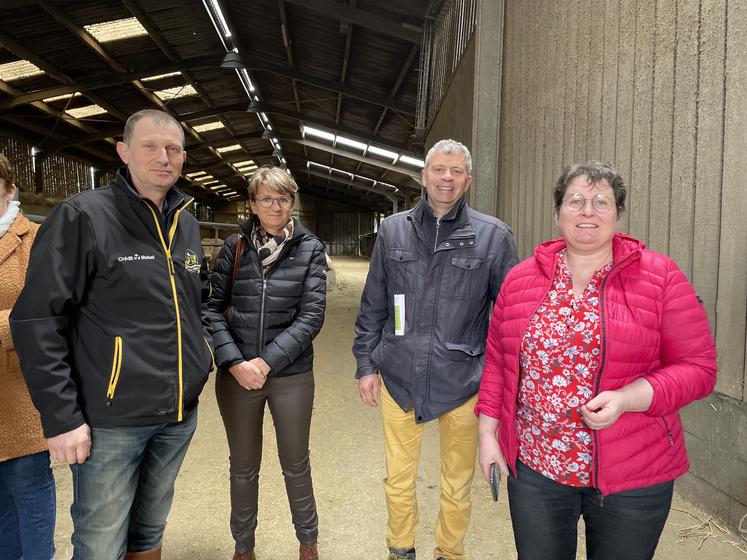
436, 364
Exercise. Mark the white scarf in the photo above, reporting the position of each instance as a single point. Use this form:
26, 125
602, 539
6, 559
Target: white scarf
7, 218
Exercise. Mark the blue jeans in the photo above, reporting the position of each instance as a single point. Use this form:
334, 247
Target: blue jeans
27, 508
622, 526
122, 494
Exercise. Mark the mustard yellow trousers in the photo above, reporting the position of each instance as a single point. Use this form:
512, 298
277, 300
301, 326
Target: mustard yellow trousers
458, 442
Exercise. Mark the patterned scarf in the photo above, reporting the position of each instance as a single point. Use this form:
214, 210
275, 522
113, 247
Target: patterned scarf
269, 246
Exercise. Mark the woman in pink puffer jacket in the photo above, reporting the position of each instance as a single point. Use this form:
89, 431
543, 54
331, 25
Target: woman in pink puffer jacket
595, 344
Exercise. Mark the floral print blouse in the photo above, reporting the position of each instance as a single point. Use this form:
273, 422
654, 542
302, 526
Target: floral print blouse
559, 358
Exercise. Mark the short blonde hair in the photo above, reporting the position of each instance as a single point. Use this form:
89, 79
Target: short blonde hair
274, 178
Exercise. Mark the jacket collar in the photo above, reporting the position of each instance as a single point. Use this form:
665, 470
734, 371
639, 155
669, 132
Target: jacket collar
174, 197
13, 238
623, 246
458, 212
299, 230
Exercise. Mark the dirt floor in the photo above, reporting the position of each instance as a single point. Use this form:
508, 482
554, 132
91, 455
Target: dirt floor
348, 467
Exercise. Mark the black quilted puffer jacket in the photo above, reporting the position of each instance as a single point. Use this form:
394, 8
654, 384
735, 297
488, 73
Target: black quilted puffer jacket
274, 315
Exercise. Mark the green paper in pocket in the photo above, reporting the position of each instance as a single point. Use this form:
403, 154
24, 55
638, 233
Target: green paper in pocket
399, 314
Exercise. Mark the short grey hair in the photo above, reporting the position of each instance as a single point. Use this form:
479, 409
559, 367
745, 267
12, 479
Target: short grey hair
449, 146
159, 117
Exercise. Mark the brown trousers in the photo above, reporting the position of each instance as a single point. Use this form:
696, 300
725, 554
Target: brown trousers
290, 400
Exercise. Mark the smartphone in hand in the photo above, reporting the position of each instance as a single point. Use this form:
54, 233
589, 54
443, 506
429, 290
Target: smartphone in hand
495, 479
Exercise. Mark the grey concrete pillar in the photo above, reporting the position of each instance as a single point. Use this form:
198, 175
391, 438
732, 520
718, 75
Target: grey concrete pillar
487, 105
395, 202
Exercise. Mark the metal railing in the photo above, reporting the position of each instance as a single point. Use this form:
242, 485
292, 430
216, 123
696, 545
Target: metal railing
445, 38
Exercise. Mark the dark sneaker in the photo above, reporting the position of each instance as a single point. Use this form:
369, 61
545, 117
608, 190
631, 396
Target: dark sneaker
401, 554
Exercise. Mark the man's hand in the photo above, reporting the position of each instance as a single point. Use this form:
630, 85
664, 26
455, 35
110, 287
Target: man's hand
368, 387
248, 374
71, 447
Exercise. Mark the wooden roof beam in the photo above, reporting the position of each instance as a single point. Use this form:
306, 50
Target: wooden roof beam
335, 87
91, 84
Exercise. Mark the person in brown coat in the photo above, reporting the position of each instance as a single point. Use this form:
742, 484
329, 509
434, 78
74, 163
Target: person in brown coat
27, 491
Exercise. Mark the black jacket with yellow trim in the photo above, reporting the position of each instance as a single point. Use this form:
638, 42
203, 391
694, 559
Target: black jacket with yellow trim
108, 327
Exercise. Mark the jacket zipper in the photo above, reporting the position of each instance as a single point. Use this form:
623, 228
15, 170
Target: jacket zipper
670, 437
262, 316
116, 370
435, 316
265, 275
170, 261
598, 380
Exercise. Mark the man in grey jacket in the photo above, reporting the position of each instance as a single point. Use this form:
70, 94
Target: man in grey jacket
435, 272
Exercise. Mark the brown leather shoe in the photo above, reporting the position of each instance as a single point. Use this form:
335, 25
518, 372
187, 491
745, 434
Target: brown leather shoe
154, 554
247, 556
308, 552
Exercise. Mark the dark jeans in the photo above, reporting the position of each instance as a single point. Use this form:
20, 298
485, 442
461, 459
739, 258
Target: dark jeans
27, 508
623, 526
290, 400
122, 494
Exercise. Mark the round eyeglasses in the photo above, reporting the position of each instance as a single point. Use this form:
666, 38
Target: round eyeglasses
268, 201
601, 203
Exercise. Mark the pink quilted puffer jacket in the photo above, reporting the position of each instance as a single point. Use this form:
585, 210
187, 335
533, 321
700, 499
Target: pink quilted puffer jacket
653, 326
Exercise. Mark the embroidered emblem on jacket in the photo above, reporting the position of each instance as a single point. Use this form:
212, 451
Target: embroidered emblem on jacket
190, 262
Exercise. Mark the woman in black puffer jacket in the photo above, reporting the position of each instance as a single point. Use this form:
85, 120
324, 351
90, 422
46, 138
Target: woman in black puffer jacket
267, 305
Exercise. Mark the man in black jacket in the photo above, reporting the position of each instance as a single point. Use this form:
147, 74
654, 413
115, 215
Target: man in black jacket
422, 324
109, 333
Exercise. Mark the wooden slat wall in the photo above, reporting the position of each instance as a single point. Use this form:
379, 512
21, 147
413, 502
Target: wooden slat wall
61, 176
337, 224
658, 88
19, 154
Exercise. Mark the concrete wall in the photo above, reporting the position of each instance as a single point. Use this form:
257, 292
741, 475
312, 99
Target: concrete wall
660, 89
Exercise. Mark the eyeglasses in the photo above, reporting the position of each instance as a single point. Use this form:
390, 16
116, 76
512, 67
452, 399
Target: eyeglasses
267, 201
600, 202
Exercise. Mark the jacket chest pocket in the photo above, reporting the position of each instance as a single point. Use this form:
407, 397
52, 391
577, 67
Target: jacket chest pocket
402, 269
462, 277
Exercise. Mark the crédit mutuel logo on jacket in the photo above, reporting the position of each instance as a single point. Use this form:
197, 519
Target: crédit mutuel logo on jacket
191, 262
136, 257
